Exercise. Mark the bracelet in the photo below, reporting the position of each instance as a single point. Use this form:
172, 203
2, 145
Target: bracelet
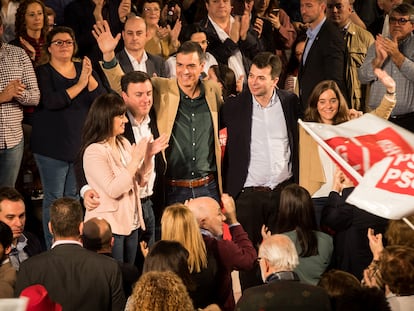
391, 93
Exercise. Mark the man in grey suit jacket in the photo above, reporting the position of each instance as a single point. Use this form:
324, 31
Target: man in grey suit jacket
134, 57
74, 277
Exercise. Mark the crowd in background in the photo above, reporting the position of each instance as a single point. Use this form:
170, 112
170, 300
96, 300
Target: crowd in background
171, 121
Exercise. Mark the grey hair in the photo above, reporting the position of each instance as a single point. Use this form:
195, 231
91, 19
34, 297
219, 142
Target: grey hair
280, 252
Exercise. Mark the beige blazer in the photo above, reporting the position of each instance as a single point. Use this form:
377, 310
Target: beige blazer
166, 101
118, 190
311, 172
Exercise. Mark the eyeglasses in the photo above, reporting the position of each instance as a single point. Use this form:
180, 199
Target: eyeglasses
401, 21
61, 43
155, 10
338, 6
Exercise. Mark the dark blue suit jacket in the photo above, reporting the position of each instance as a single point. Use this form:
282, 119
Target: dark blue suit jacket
325, 61
155, 64
76, 278
237, 117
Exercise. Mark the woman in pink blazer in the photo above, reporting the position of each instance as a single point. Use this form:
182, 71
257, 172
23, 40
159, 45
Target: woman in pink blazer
116, 169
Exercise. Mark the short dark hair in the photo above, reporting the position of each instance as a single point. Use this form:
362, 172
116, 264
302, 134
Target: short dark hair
6, 235
189, 47
65, 217
133, 77
264, 59
97, 234
60, 29
11, 194
189, 30
404, 9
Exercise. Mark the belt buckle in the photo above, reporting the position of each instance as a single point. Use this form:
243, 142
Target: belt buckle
191, 183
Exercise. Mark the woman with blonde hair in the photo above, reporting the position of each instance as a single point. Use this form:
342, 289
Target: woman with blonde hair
159, 291
179, 224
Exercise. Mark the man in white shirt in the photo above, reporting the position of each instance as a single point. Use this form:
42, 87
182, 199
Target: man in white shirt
261, 154
232, 41
134, 57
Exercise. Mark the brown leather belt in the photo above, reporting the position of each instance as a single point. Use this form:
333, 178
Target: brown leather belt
191, 183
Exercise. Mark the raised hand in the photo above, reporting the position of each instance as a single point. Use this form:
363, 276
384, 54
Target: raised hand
380, 53
385, 79
139, 151
86, 72
124, 9
265, 232
235, 29
97, 12
106, 42
258, 26
375, 243
175, 31
274, 20
159, 144
229, 208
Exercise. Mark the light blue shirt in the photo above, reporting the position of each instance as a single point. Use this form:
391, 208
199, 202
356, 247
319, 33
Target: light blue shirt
403, 77
269, 148
311, 33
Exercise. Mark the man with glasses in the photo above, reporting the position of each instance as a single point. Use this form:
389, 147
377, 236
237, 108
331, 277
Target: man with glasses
358, 40
395, 55
282, 289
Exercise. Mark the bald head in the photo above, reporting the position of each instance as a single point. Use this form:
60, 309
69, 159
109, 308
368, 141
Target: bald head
208, 213
97, 235
135, 34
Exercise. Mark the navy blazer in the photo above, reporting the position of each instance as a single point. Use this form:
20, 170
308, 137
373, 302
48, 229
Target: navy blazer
155, 64
325, 61
237, 117
75, 277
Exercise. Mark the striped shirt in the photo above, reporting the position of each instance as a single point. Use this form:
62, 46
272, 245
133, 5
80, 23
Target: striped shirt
15, 65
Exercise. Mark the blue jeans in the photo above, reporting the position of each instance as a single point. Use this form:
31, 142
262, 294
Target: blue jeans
125, 247
180, 194
58, 180
10, 160
149, 234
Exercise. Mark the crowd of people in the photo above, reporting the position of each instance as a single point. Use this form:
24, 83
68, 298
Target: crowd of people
166, 142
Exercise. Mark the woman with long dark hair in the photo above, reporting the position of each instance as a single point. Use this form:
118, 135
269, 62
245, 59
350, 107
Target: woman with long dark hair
296, 219
116, 169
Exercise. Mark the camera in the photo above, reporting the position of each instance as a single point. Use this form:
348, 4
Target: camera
171, 16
